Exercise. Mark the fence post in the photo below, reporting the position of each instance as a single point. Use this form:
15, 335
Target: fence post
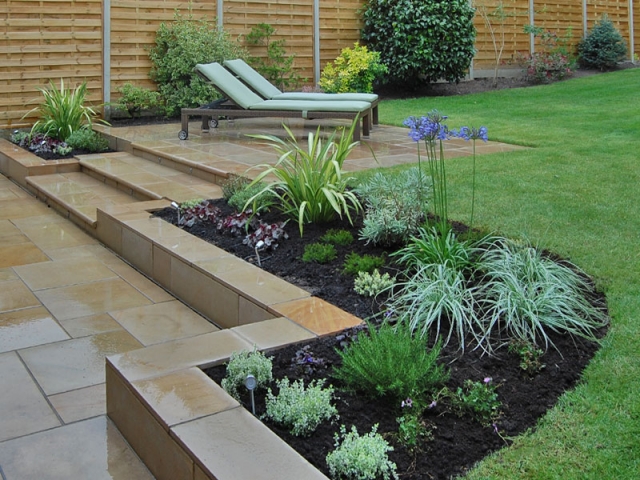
220, 13
632, 46
532, 37
585, 19
316, 41
106, 57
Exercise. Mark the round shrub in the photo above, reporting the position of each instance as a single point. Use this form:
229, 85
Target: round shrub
243, 363
180, 45
354, 70
603, 47
361, 457
421, 40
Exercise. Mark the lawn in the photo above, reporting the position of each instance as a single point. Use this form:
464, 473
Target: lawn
576, 191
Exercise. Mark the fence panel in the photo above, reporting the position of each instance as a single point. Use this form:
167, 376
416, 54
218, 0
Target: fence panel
47, 40
42, 40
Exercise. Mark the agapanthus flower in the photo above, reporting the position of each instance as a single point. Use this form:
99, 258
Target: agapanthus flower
427, 127
471, 133
408, 403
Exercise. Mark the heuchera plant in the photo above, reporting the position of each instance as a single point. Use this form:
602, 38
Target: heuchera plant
267, 233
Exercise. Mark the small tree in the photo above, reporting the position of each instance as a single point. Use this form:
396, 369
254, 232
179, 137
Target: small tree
494, 20
603, 47
421, 40
277, 66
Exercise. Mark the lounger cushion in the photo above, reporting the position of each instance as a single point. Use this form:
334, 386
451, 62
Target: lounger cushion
236, 90
248, 100
311, 106
261, 85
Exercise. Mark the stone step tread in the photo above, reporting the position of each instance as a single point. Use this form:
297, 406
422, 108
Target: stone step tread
79, 193
149, 177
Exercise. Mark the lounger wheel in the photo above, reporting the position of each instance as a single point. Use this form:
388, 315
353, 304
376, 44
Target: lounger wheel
183, 135
213, 123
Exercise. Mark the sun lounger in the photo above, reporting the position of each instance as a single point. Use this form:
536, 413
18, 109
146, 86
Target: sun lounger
267, 90
242, 102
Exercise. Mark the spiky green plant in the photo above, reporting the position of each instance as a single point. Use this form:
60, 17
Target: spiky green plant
63, 111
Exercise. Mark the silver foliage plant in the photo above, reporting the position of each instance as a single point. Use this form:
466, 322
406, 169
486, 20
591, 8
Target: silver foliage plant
395, 206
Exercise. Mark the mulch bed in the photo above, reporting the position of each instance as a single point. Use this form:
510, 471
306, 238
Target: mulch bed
458, 442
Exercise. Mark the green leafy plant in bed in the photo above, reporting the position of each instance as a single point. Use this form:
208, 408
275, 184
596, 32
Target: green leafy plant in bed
89, 140
298, 408
361, 457
355, 70
373, 284
355, 263
338, 237
310, 185
319, 253
391, 362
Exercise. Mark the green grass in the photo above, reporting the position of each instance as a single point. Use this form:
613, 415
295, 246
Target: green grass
577, 192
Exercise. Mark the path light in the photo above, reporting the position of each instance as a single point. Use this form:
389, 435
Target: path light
177, 207
250, 383
260, 244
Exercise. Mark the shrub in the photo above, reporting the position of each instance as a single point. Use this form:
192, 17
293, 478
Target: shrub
243, 363
395, 206
63, 111
526, 295
319, 253
361, 457
421, 40
277, 67
603, 47
180, 45
337, 237
354, 70
372, 284
553, 61
390, 362
354, 263
310, 185
89, 140
136, 99
298, 408
438, 296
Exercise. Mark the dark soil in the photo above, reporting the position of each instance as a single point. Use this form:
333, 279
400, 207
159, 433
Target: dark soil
457, 442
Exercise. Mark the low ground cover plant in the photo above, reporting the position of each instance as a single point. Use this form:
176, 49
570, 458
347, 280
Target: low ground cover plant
355, 263
361, 457
319, 253
373, 284
300, 408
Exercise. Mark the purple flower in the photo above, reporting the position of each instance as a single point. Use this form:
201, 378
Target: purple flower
433, 404
495, 428
487, 380
472, 133
428, 127
408, 403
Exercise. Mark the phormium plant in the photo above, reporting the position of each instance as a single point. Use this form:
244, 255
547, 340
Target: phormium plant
310, 184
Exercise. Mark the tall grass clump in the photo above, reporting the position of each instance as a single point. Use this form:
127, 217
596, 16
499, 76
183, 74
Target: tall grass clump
310, 185
391, 362
527, 295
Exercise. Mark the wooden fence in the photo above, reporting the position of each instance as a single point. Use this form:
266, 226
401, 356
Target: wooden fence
106, 42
